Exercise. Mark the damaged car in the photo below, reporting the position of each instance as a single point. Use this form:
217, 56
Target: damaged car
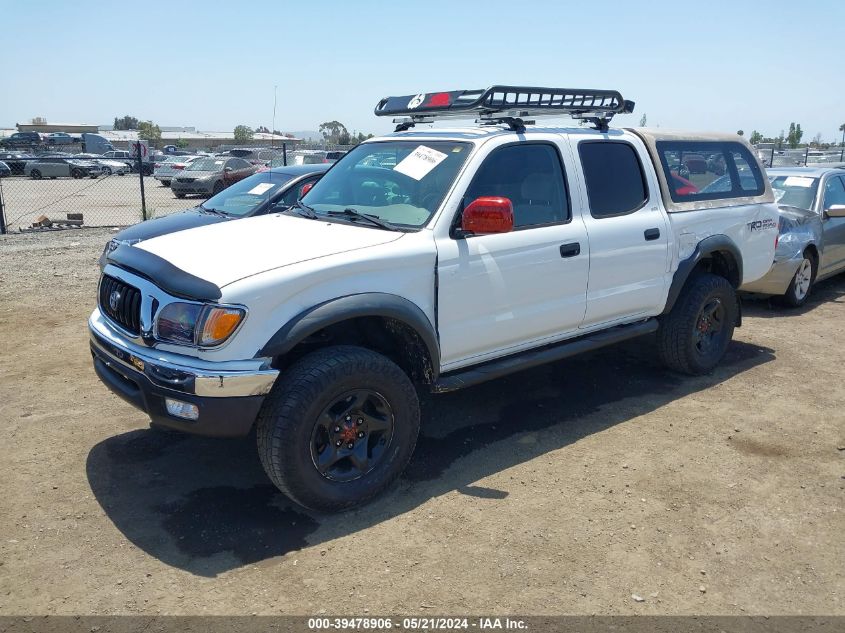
811, 235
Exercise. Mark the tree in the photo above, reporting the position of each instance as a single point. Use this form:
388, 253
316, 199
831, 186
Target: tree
243, 134
181, 143
779, 140
842, 129
794, 136
263, 129
125, 123
643, 120
149, 131
817, 140
756, 137
333, 132
740, 133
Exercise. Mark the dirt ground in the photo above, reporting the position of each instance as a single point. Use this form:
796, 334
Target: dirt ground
565, 489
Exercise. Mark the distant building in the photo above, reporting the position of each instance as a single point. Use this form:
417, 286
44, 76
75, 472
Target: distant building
39, 124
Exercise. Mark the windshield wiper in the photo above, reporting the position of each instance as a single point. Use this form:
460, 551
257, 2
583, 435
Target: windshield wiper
222, 214
303, 210
354, 214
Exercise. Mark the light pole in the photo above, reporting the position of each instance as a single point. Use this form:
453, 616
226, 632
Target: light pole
273, 125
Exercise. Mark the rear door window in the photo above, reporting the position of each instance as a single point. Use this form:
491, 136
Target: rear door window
614, 176
712, 170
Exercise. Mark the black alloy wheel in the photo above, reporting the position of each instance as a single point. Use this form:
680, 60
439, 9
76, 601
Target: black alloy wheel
351, 435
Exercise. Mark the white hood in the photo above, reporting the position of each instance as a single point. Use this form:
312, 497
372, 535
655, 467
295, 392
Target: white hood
227, 251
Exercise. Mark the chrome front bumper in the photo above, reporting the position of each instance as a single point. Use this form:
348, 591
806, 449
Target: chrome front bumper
195, 376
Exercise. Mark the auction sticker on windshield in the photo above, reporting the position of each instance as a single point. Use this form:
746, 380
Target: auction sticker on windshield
798, 181
419, 162
260, 188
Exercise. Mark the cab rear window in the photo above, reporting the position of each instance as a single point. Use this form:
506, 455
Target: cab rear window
709, 170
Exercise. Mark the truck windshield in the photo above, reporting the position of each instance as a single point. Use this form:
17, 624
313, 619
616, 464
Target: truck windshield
401, 182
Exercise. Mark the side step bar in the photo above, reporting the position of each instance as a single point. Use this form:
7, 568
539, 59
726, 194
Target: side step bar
531, 358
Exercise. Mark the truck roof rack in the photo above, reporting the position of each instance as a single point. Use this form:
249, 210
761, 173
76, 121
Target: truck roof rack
506, 105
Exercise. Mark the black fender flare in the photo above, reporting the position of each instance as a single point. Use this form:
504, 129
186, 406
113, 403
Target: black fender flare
378, 304
703, 249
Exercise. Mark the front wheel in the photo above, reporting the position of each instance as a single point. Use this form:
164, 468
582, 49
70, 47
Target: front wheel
77, 173
179, 195
694, 336
106, 171
36, 175
799, 288
338, 428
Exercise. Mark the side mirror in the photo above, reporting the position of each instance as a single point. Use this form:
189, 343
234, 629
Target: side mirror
835, 211
305, 189
227, 169
488, 214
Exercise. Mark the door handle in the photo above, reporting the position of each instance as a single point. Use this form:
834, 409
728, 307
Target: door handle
651, 234
570, 250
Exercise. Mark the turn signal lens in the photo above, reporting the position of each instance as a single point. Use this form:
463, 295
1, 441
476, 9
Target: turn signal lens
219, 324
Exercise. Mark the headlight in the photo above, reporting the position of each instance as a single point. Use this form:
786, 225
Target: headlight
196, 324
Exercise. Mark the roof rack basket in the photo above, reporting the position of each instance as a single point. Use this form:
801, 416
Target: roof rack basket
506, 104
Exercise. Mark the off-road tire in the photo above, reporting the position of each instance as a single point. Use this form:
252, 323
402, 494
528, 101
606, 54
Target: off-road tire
289, 416
676, 342
793, 297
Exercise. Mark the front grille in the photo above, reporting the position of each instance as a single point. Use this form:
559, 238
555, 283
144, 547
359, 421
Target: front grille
185, 179
126, 300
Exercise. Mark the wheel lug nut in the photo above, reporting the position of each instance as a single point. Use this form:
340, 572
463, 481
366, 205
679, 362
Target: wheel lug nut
360, 433
337, 429
338, 443
359, 421
348, 417
350, 445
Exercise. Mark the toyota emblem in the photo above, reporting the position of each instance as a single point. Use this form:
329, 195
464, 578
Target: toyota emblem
114, 300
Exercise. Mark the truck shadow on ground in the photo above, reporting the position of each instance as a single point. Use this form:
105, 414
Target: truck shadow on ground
205, 505
831, 290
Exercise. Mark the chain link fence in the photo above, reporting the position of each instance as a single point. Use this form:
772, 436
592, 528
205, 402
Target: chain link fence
50, 190
800, 157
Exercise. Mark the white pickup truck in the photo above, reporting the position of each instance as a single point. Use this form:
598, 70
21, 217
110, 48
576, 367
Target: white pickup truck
436, 257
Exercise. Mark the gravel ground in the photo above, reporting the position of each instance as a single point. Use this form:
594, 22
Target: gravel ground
565, 489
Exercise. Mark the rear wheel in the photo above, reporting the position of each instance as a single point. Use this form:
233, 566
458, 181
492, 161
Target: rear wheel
338, 427
179, 195
799, 288
694, 336
107, 171
35, 174
77, 173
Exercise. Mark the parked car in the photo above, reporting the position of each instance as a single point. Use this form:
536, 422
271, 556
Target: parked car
110, 166
210, 175
60, 166
811, 242
5, 170
166, 170
467, 260
263, 192
121, 155
21, 139
60, 138
696, 163
16, 161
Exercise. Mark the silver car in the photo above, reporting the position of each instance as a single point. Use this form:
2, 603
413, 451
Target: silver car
210, 175
811, 241
58, 167
171, 167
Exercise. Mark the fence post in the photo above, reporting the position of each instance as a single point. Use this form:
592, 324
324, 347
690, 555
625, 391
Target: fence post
141, 176
285, 154
806, 155
2, 213
772, 159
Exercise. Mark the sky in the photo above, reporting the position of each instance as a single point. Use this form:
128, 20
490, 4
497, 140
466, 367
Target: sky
698, 64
